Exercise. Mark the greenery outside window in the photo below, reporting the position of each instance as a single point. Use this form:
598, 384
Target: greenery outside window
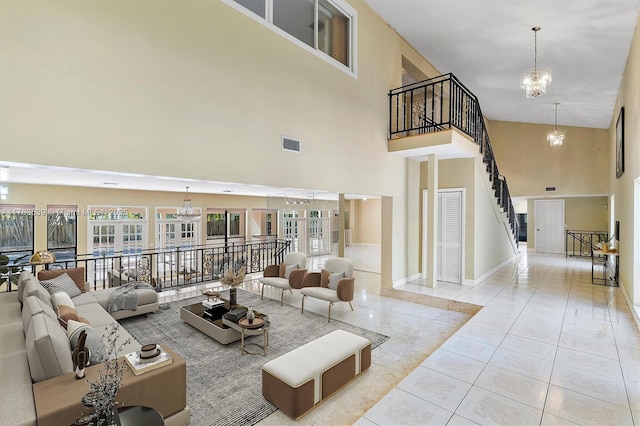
225, 224
62, 232
16, 231
326, 26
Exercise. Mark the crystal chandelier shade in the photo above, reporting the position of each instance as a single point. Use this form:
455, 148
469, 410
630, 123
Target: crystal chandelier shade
187, 213
534, 82
556, 137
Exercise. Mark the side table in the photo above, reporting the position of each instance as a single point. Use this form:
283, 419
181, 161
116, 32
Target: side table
260, 326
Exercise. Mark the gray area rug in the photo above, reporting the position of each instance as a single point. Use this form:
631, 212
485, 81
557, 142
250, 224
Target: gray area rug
223, 387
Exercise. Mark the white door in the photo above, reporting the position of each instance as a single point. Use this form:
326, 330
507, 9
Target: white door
549, 225
449, 267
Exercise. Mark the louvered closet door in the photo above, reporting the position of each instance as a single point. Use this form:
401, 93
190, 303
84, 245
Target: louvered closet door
450, 237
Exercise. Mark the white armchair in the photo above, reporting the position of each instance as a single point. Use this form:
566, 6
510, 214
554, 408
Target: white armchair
334, 284
286, 276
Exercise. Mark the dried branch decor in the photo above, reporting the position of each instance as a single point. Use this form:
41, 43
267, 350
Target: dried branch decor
234, 279
106, 388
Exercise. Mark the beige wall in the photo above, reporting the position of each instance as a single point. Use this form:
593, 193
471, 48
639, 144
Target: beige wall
198, 90
578, 167
627, 188
487, 242
367, 222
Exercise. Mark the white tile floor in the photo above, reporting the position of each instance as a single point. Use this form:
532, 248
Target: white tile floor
547, 348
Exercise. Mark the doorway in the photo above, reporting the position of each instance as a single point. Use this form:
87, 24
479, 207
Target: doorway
549, 225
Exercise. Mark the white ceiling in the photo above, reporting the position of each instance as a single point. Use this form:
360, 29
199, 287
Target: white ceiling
488, 44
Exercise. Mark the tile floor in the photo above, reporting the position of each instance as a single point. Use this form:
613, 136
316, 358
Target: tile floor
548, 347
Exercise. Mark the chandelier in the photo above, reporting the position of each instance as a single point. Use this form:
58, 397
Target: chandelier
534, 82
556, 137
187, 213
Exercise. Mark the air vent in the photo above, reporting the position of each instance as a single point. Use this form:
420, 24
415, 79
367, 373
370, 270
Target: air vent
290, 144
550, 189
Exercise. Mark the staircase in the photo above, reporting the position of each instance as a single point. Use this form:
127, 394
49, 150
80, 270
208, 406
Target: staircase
444, 103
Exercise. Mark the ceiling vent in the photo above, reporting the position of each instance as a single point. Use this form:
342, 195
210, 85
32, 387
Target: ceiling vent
550, 189
290, 144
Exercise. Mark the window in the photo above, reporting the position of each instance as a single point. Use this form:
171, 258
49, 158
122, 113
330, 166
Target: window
226, 224
326, 26
16, 231
62, 232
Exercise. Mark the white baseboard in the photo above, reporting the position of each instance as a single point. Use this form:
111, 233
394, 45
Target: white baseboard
405, 280
635, 309
487, 274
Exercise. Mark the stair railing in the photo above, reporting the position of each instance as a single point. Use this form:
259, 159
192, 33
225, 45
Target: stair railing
582, 243
442, 103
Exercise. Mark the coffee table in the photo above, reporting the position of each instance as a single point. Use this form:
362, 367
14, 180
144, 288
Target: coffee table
212, 323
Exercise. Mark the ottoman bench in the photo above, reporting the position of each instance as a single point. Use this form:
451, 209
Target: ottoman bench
302, 378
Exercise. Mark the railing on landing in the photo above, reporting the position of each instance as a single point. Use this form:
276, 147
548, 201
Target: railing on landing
581, 243
171, 268
443, 103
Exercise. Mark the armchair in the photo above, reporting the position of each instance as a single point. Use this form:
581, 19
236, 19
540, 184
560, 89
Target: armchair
286, 276
334, 284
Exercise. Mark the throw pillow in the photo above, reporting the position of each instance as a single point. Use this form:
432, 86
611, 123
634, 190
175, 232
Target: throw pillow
48, 349
76, 274
324, 278
67, 313
334, 279
61, 283
97, 351
61, 298
289, 269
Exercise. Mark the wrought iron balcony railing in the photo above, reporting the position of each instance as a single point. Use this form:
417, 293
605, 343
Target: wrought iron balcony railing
442, 103
171, 268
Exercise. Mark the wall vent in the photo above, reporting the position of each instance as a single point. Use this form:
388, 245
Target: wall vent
290, 144
550, 189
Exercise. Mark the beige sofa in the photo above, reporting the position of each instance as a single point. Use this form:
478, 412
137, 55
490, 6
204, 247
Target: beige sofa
36, 371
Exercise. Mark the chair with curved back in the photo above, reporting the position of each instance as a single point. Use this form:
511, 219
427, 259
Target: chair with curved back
335, 283
286, 276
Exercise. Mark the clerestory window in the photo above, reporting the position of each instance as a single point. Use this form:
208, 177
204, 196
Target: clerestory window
327, 26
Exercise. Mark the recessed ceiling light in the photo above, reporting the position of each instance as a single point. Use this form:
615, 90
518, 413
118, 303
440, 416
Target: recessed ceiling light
227, 190
110, 183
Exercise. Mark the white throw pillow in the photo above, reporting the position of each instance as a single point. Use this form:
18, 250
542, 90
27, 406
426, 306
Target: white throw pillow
61, 298
289, 269
97, 351
334, 279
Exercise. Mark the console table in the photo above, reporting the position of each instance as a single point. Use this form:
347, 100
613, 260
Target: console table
600, 259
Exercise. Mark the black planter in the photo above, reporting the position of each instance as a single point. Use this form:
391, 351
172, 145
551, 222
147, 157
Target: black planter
233, 297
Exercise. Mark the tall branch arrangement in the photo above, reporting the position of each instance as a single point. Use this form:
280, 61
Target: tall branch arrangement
234, 279
110, 378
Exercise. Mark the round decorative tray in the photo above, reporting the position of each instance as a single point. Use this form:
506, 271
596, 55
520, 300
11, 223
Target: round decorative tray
257, 323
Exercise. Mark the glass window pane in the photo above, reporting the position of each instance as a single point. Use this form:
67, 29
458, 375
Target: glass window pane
296, 18
256, 6
333, 32
16, 230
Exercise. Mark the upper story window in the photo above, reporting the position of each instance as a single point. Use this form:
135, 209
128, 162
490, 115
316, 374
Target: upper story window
326, 26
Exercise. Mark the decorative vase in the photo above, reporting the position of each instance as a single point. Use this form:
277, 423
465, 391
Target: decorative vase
251, 315
233, 296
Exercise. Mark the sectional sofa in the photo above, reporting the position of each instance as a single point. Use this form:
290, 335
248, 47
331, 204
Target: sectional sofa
36, 370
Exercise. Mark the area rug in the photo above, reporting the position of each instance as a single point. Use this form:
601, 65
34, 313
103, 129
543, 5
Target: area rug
224, 387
